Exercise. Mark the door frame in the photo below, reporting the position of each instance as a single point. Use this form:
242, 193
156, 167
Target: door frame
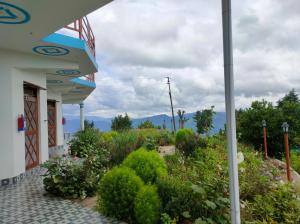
37, 113
55, 122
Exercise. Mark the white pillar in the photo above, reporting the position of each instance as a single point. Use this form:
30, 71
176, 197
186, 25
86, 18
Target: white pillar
81, 116
230, 112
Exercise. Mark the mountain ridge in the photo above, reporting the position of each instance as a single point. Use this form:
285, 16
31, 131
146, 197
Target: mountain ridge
73, 123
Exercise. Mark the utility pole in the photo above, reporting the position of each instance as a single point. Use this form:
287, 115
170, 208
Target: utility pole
170, 94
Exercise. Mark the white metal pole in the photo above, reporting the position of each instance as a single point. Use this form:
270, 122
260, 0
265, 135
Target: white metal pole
230, 112
81, 116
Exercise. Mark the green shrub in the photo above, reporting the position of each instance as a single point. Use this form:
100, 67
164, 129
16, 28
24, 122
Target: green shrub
207, 174
106, 138
117, 191
196, 188
68, 177
186, 141
147, 206
161, 137
203, 142
255, 175
97, 162
165, 138
295, 161
279, 205
148, 165
122, 145
150, 144
84, 142
176, 195
166, 219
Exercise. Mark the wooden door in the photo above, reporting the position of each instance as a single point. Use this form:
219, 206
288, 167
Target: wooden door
51, 107
32, 127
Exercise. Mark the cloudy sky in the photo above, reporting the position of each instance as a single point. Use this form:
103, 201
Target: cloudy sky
139, 42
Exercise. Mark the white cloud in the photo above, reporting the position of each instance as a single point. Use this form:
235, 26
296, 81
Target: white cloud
141, 42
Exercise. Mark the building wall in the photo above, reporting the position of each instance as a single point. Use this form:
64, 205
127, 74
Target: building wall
12, 149
15, 69
6, 123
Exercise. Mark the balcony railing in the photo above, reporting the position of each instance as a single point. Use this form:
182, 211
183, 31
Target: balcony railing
85, 32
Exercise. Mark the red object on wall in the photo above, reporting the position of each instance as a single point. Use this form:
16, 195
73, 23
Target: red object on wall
63, 121
21, 123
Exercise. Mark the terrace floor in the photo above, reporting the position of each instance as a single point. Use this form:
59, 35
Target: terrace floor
27, 202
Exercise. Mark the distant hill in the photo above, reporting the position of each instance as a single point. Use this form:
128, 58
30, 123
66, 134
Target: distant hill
104, 124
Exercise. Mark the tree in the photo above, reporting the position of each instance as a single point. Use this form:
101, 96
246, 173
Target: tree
204, 120
88, 124
121, 123
182, 119
249, 124
146, 124
289, 106
291, 97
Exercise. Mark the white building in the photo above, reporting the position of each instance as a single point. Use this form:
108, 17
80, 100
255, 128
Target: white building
40, 70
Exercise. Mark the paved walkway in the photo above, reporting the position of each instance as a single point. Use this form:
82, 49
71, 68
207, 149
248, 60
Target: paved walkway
27, 202
167, 150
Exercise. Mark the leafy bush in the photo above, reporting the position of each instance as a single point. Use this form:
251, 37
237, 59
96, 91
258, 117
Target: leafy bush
207, 174
186, 141
197, 187
148, 165
176, 195
117, 191
295, 161
203, 142
84, 142
161, 137
147, 206
165, 138
68, 177
166, 219
255, 175
150, 144
122, 145
279, 205
106, 138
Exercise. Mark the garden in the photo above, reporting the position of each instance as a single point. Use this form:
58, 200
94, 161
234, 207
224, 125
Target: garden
134, 183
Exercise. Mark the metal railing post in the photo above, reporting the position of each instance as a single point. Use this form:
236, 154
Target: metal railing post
230, 112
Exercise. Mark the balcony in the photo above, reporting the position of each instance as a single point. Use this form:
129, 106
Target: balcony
82, 29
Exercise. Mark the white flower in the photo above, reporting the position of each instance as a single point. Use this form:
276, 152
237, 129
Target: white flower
219, 167
240, 157
242, 170
281, 182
